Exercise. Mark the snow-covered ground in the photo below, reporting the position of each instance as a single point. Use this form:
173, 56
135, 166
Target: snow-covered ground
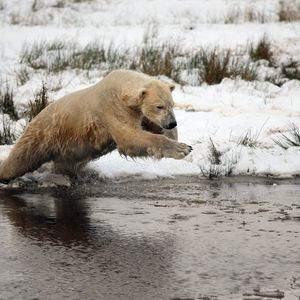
209, 117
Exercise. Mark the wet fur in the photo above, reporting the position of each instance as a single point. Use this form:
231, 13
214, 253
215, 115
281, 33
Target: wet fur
95, 121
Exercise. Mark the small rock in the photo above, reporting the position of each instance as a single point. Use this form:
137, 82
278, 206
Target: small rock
277, 294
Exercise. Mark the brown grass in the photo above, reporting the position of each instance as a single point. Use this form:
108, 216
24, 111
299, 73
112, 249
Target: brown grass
214, 65
7, 136
262, 50
41, 100
153, 58
7, 105
289, 11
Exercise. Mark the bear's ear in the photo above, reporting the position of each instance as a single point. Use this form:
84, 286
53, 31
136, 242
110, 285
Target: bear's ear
172, 87
142, 93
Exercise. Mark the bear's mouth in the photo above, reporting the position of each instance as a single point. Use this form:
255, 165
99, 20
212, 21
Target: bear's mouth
151, 126
171, 125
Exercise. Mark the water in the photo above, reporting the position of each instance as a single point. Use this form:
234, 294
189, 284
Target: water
161, 239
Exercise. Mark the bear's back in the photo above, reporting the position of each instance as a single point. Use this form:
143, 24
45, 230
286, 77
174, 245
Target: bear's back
121, 79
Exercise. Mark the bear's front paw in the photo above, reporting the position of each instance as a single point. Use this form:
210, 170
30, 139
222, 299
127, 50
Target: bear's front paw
178, 151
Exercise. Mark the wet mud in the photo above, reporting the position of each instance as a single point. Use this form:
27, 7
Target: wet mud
180, 238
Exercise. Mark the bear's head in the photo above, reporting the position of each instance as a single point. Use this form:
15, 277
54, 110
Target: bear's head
156, 104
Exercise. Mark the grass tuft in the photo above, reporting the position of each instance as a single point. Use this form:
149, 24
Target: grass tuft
31, 54
214, 157
7, 105
289, 11
59, 56
213, 171
233, 16
35, 6
249, 139
22, 75
215, 65
248, 15
158, 59
7, 136
262, 50
290, 139
214, 153
41, 100
252, 15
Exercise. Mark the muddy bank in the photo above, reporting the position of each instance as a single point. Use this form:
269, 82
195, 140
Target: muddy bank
159, 239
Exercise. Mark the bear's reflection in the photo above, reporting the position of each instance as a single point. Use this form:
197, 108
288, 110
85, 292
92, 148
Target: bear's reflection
45, 217
93, 255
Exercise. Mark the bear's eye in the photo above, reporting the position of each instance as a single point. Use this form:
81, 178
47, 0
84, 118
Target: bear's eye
159, 107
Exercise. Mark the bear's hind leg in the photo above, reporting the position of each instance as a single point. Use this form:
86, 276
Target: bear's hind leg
26, 156
68, 167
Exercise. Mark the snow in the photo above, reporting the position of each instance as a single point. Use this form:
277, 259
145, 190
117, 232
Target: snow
221, 113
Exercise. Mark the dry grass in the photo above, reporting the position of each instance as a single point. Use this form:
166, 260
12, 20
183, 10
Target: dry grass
7, 105
233, 16
58, 56
30, 19
213, 171
250, 14
41, 100
154, 59
214, 157
214, 153
22, 75
249, 139
215, 65
262, 50
158, 59
7, 136
212, 65
289, 11
209, 66
289, 139
35, 6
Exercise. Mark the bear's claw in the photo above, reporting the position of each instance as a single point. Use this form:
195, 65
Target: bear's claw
178, 151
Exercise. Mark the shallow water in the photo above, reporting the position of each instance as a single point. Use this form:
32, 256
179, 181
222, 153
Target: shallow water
160, 239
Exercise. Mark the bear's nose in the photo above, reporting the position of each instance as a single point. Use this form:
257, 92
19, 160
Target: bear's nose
172, 125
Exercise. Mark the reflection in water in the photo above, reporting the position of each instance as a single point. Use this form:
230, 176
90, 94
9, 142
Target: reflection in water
53, 244
44, 217
149, 240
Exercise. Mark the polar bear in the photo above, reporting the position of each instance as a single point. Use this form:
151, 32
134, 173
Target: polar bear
127, 110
